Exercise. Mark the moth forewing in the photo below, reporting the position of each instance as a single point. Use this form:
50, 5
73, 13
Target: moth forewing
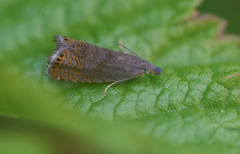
78, 61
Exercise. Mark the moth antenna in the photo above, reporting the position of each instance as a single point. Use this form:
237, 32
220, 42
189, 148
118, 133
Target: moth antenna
120, 47
130, 51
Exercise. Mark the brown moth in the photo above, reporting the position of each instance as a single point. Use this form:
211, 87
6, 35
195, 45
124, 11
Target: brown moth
78, 61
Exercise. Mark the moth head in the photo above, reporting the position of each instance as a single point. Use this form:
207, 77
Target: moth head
156, 71
150, 69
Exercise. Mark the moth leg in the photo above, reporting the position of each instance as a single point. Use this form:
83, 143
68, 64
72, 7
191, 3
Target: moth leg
114, 84
120, 47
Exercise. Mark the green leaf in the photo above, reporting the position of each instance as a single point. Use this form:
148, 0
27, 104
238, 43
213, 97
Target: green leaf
192, 106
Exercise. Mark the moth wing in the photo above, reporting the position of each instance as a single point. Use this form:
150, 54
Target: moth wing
67, 62
90, 55
95, 56
65, 40
66, 74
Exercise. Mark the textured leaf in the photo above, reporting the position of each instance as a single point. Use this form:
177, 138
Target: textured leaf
192, 106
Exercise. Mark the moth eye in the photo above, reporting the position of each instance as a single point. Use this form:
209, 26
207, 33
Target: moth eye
147, 71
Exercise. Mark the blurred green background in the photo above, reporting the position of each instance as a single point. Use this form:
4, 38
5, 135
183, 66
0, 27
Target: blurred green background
182, 114
226, 9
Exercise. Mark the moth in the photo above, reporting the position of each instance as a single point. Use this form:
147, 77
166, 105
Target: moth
78, 61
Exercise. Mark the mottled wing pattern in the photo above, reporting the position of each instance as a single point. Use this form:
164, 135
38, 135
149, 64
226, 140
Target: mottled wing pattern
65, 40
66, 62
78, 61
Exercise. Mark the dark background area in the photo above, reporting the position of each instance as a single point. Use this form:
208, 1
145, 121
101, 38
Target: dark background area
226, 9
